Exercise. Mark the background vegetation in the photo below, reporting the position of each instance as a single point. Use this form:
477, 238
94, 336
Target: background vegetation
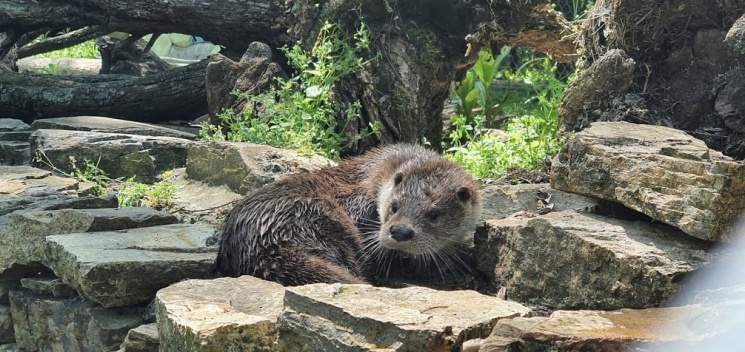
504, 116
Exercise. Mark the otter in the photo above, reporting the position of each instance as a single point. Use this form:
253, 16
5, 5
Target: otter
349, 223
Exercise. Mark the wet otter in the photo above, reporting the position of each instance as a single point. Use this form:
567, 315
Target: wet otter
349, 223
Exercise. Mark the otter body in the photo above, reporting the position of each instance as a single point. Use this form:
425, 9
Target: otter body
348, 223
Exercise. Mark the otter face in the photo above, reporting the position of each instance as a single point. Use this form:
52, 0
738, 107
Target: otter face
426, 213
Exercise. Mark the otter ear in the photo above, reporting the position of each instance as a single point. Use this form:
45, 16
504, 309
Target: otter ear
397, 179
464, 193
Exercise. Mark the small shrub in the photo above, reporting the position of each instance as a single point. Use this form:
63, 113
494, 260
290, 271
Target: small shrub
301, 114
528, 139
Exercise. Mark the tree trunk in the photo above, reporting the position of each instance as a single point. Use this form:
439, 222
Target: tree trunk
422, 46
176, 94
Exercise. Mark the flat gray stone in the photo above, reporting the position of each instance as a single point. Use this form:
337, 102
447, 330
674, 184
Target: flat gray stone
659, 171
6, 325
143, 338
108, 125
686, 328
118, 155
322, 317
501, 201
23, 240
48, 286
127, 267
8, 125
572, 260
225, 314
27, 188
50, 324
195, 201
243, 167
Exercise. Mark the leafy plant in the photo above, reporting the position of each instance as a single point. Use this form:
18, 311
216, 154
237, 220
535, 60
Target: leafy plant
526, 140
158, 195
476, 89
301, 113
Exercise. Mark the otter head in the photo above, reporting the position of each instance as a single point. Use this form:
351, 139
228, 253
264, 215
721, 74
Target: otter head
428, 208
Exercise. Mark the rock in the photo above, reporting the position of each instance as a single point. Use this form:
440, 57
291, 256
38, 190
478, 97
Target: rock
143, 338
10, 347
322, 317
6, 325
10, 125
108, 125
245, 166
127, 267
730, 101
225, 314
50, 324
735, 38
23, 239
661, 172
118, 155
28, 188
501, 201
571, 260
610, 76
48, 286
195, 201
14, 148
687, 328
250, 76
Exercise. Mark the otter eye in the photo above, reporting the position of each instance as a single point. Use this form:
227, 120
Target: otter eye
433, 215
394, 207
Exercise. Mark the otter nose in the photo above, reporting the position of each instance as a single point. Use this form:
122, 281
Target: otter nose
401, 233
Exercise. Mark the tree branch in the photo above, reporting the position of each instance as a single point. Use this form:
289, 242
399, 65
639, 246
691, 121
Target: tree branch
62, 41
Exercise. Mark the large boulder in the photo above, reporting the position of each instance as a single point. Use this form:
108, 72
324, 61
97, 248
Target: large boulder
573, 260
661, 172
244, 167
43, 323
23, 240
118, 155
127, 267
226, 314
322, 317
108, 125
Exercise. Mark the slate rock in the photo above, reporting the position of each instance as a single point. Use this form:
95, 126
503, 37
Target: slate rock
48, 286
323, 317
686, 328
108, 125
586, 261
23, 239
6, 325
501, 201
50, 324
9, 125
127, 267
118, 155
661, 172
244, 167
143, 338
225, 314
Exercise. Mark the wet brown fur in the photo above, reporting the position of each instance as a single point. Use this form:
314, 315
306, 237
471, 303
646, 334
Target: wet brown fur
324, 226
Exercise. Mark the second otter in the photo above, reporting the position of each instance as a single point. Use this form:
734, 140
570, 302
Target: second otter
349, 222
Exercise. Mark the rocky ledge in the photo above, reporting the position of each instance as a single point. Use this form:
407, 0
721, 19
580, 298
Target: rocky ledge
593, 261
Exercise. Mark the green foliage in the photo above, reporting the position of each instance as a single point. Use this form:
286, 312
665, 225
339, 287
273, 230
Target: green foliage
85, 50
526, 140
476, 89
157, 195
301, 113
90, 172
51, 69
